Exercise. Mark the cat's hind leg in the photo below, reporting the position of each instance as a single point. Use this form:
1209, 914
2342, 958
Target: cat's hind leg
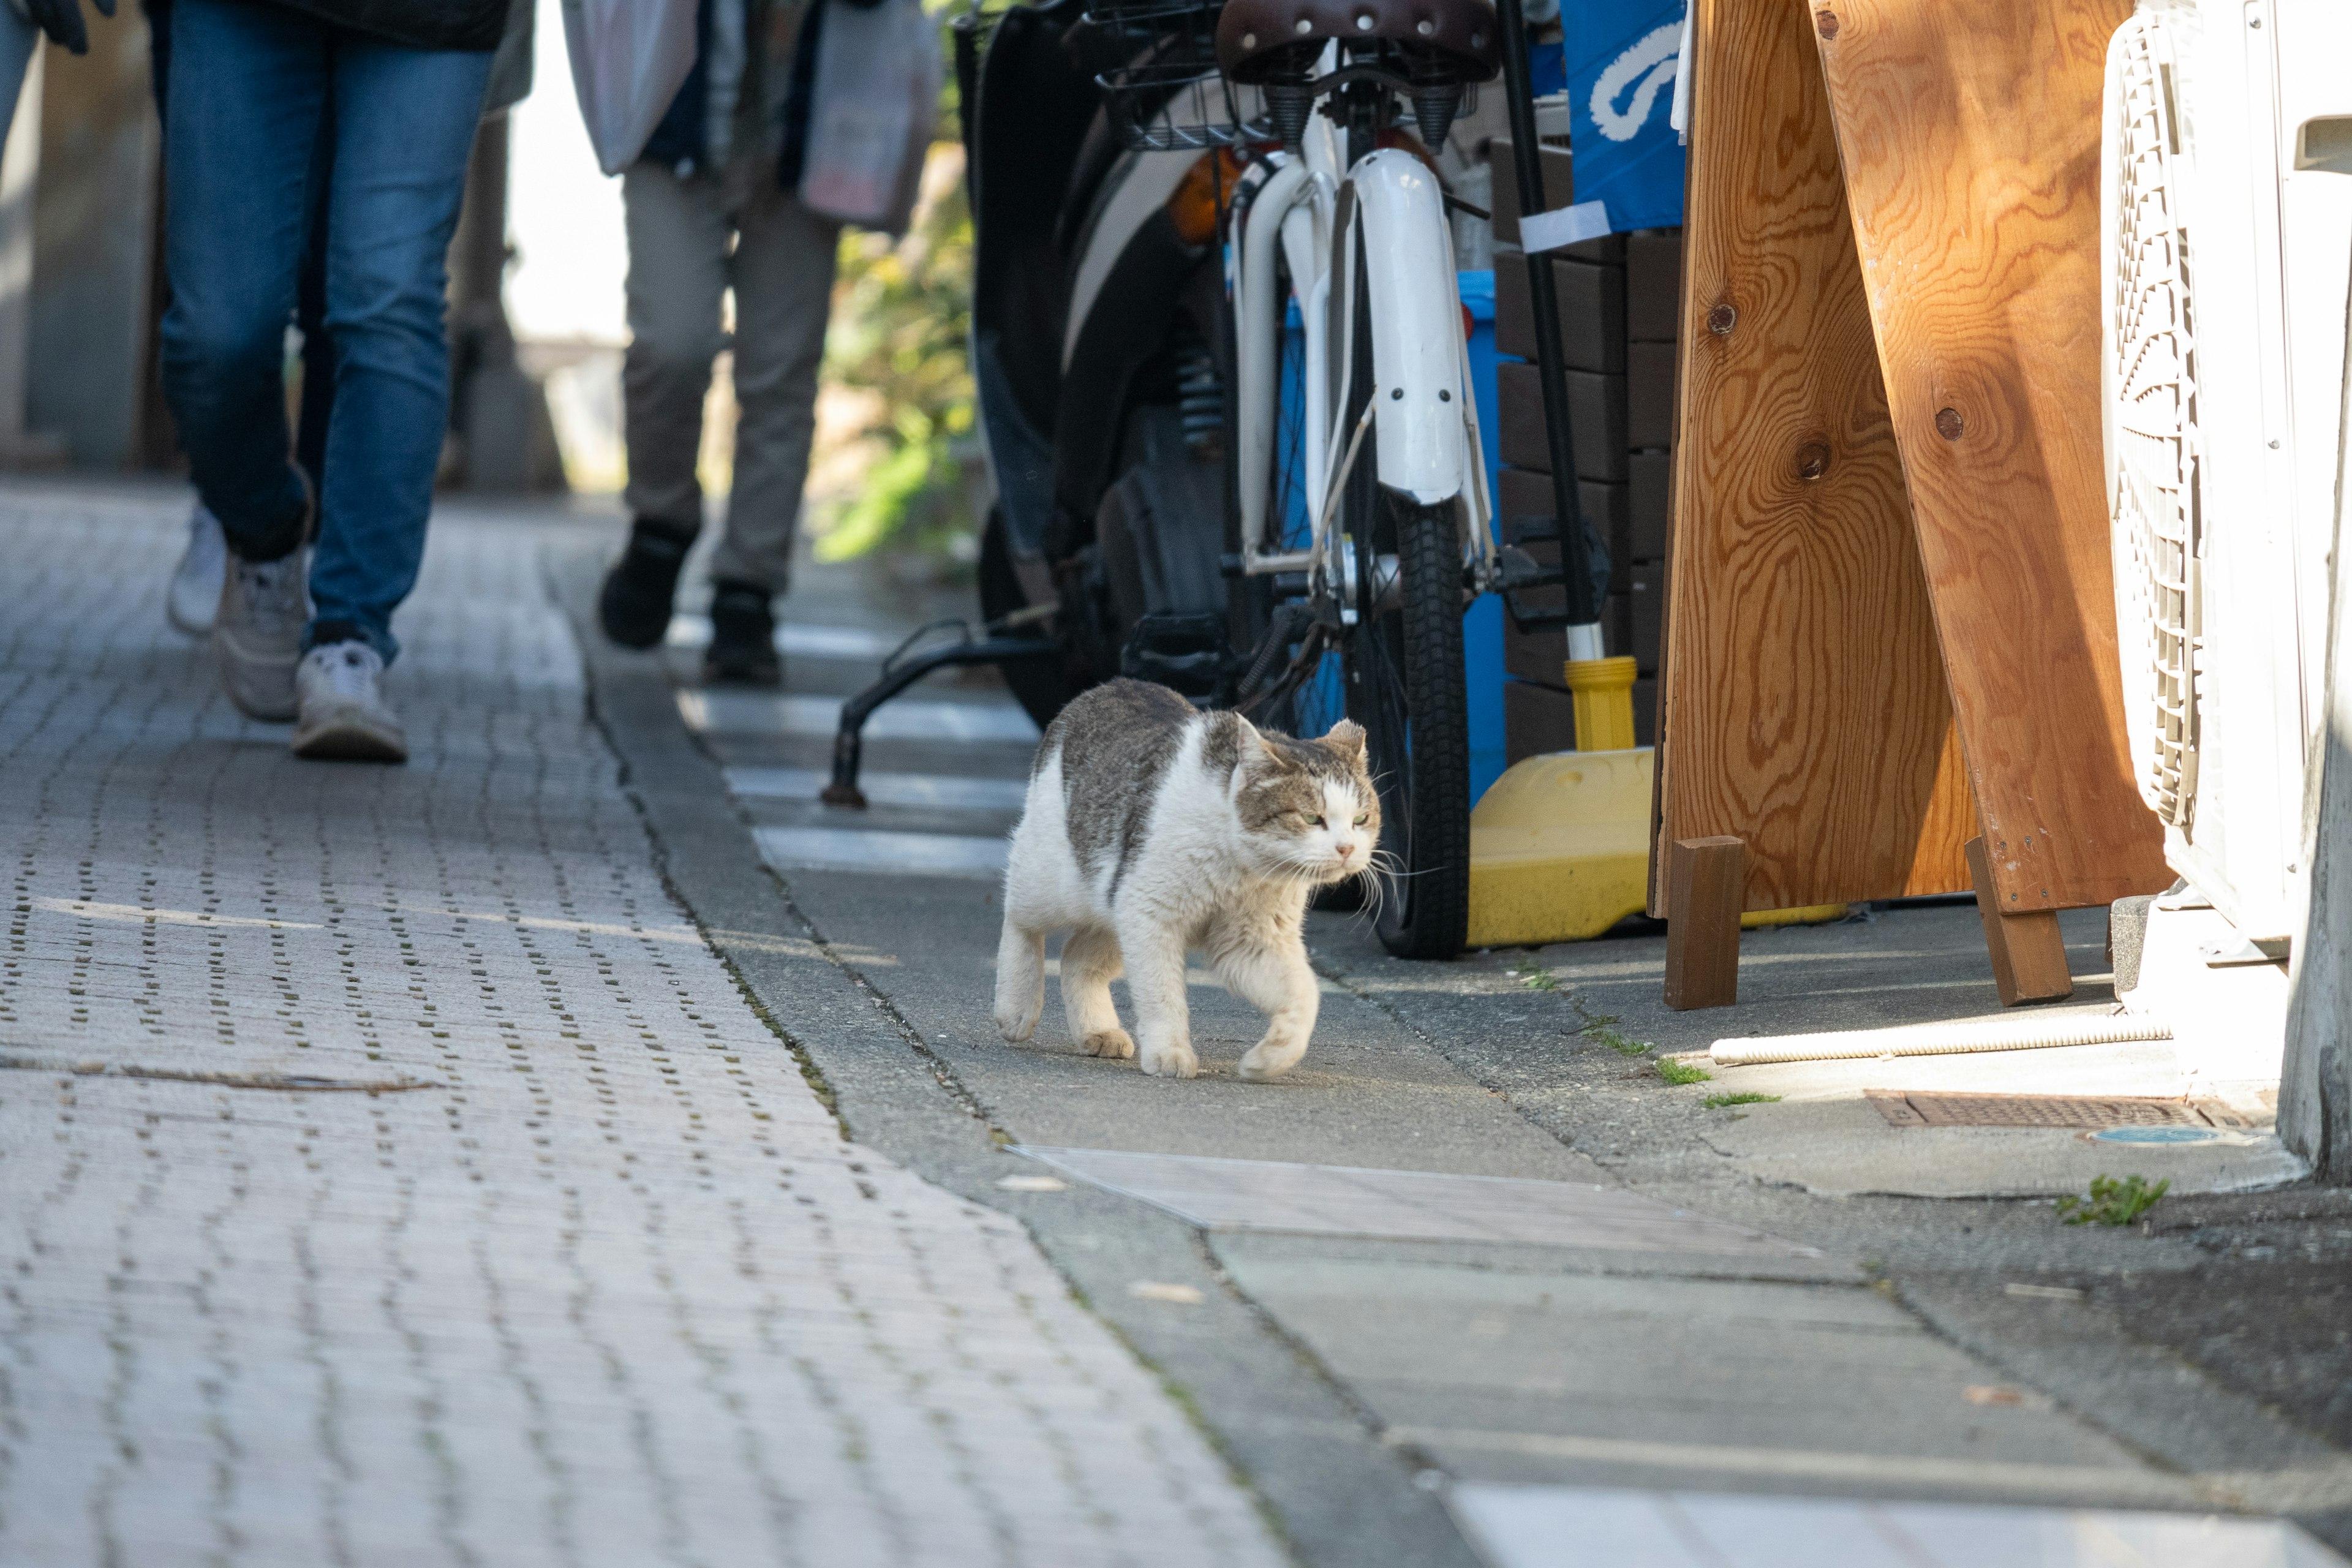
1020, 980
1155, 979
1091, 962
1269, 970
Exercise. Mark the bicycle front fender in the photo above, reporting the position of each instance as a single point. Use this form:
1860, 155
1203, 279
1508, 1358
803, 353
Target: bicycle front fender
1418, 396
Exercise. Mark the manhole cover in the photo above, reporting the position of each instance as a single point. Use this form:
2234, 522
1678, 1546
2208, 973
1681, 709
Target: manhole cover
1913, 1108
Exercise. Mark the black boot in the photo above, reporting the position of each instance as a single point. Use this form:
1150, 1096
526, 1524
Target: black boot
742, 637
633, 608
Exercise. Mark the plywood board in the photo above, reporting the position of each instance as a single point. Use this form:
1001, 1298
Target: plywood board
1970, 142
1804, 703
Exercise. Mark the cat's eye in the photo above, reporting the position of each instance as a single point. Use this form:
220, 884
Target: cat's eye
1313, 822
1362, 819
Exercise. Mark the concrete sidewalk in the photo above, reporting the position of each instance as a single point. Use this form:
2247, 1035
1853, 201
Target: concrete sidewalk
580, 1145
389, 1171
1602, 1351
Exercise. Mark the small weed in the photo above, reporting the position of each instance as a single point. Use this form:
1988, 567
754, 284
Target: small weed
1602, 1034
1536, 979
2114, 1202
1746, 1097
1674, 1072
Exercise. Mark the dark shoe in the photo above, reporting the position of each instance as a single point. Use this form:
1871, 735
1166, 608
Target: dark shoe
742, 637
633, 608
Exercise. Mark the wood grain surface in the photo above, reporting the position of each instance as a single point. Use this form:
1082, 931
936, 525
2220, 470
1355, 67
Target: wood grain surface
1804, 703
1703, 941
1969, 140
2028, 950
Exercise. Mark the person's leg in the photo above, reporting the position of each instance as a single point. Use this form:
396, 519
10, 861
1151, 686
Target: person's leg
239, 157
678, 234
238, 153
311, 319
404, 127
782, 273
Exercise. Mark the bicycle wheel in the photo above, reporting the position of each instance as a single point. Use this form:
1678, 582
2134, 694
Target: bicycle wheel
1406, 684
1040, 686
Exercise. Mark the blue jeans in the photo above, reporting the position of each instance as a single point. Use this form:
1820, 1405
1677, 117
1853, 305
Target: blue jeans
252, 85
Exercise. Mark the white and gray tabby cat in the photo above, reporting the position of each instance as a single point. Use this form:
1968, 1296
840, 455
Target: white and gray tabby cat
1151, 828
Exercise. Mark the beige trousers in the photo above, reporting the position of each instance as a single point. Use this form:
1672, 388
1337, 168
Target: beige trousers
780, 266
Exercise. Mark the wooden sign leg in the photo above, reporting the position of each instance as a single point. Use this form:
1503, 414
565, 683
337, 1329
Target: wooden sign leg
1707, 888
2028, 956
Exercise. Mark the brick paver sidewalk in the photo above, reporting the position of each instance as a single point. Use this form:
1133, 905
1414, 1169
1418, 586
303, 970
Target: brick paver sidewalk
590, 1276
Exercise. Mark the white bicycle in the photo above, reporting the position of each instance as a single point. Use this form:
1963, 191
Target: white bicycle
1223, 383
1362, 521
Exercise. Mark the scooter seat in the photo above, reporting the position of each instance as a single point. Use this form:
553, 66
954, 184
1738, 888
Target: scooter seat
1259, 38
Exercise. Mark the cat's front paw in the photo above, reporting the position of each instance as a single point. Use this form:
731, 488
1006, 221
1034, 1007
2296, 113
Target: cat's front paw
1261, 1062
1016, 1023
1112, 1043
1171, 1061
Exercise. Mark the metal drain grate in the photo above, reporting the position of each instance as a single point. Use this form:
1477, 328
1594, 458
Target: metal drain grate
1916, 1109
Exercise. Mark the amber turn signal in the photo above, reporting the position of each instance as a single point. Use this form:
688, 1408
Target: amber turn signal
1200, 201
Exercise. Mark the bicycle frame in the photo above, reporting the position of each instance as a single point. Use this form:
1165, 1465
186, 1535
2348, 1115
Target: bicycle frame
1388, 210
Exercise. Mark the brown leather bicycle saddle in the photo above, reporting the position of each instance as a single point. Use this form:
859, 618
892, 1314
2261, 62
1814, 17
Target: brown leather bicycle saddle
1256, 37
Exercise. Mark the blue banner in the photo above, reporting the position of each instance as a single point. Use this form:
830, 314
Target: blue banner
1621, 60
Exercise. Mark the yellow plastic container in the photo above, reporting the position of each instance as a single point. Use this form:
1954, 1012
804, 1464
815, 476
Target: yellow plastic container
1559, 847
1559, 851
1600, 695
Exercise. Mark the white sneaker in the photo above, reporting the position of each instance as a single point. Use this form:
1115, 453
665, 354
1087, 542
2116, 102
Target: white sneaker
195, 588
257, 632
343, 714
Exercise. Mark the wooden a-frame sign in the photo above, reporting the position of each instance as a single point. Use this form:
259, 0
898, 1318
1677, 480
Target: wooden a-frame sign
1891, 626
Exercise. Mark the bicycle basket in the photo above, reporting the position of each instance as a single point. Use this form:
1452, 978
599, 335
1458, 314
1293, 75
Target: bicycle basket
1156, 63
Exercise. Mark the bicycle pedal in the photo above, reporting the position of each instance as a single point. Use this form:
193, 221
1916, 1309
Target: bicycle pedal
1187, 651
1522, 572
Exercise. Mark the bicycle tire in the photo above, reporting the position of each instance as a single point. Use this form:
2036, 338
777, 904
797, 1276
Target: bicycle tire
1406, 683
1040, 686
1407, 686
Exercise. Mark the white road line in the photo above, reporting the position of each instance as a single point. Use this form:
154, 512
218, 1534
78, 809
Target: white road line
881, 850
139, 914
793, 639
938, 790
753, 714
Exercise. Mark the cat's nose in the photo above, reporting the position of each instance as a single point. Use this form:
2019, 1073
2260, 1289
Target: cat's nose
1346, 850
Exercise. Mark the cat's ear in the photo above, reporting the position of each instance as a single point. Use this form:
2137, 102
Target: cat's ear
1267, 753
1347, 738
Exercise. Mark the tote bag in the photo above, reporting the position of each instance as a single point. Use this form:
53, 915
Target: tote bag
628, 60
872, 107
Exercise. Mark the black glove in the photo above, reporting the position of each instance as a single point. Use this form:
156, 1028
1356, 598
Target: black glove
61, 20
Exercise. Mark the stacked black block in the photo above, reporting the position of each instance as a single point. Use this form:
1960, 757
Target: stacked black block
1620, 300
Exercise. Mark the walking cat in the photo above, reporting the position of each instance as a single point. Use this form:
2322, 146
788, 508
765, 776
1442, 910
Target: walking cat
1149, 829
